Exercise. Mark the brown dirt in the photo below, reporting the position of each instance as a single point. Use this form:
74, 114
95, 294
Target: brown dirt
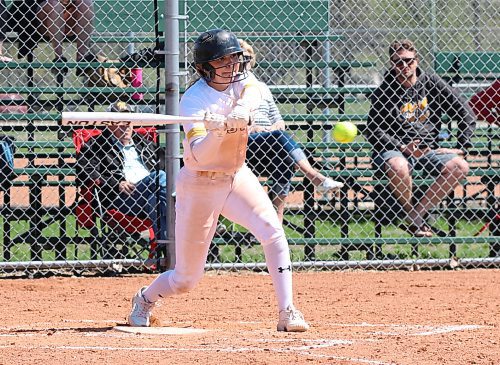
360, 317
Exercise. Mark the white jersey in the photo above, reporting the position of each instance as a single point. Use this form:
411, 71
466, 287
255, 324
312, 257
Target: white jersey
201, 98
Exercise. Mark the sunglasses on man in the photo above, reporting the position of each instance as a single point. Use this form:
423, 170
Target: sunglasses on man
400, 62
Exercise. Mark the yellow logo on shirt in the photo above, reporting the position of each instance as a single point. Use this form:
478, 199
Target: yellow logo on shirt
415, 112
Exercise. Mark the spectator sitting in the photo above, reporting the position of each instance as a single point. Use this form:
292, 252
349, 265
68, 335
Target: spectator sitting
122, 163
273, 151
404, 123
67, 18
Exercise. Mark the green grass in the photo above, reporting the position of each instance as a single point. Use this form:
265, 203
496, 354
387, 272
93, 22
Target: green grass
75, 251
365, 229
21, 252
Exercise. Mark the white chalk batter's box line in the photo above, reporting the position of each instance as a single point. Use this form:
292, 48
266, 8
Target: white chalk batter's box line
393, 330
412, 329
304, 350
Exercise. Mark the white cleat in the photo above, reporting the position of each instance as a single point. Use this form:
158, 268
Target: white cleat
292, 320
141, 310
329, 185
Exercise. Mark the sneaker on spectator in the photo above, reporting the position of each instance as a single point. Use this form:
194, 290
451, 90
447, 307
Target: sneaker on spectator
329, 185
292, 320
141, 310
145, 235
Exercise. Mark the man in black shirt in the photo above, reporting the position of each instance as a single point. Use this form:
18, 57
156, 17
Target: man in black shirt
403, 127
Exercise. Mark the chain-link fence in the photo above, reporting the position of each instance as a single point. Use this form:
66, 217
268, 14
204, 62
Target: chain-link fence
65, 204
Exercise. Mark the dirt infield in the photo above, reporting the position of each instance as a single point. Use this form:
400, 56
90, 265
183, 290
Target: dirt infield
357, 318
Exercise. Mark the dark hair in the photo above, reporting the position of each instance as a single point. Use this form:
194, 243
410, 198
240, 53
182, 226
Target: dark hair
404, 44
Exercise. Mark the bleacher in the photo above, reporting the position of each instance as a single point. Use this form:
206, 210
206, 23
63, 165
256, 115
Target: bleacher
460, 66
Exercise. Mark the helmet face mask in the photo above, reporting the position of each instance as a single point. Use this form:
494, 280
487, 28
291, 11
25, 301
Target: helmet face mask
217, 75
213, 45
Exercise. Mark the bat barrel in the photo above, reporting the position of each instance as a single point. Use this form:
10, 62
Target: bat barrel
90, 119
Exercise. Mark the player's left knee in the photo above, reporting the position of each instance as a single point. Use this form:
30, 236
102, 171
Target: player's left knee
274, 239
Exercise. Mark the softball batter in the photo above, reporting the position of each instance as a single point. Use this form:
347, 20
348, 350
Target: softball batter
215, 181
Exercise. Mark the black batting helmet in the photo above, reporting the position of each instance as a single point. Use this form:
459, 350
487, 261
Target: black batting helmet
214, 44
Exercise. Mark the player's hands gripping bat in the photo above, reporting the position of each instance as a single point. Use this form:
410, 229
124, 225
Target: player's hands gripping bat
239, 117
214, 122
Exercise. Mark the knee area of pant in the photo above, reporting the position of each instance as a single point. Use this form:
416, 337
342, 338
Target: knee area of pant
277, 133
281, 136
276, 239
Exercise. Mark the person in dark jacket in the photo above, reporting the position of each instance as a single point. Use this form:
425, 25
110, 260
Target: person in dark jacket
403, 127
123, 164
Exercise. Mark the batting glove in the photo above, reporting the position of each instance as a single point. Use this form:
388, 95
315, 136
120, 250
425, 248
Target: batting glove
214, 122
239, 117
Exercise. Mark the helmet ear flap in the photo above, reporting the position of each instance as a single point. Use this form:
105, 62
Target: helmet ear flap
206, 71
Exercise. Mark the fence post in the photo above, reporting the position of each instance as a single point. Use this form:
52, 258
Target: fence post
172, 150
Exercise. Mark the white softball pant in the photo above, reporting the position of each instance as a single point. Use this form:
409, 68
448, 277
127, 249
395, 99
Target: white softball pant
199, 202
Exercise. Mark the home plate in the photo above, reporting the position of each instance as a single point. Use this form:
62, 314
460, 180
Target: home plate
159, 330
